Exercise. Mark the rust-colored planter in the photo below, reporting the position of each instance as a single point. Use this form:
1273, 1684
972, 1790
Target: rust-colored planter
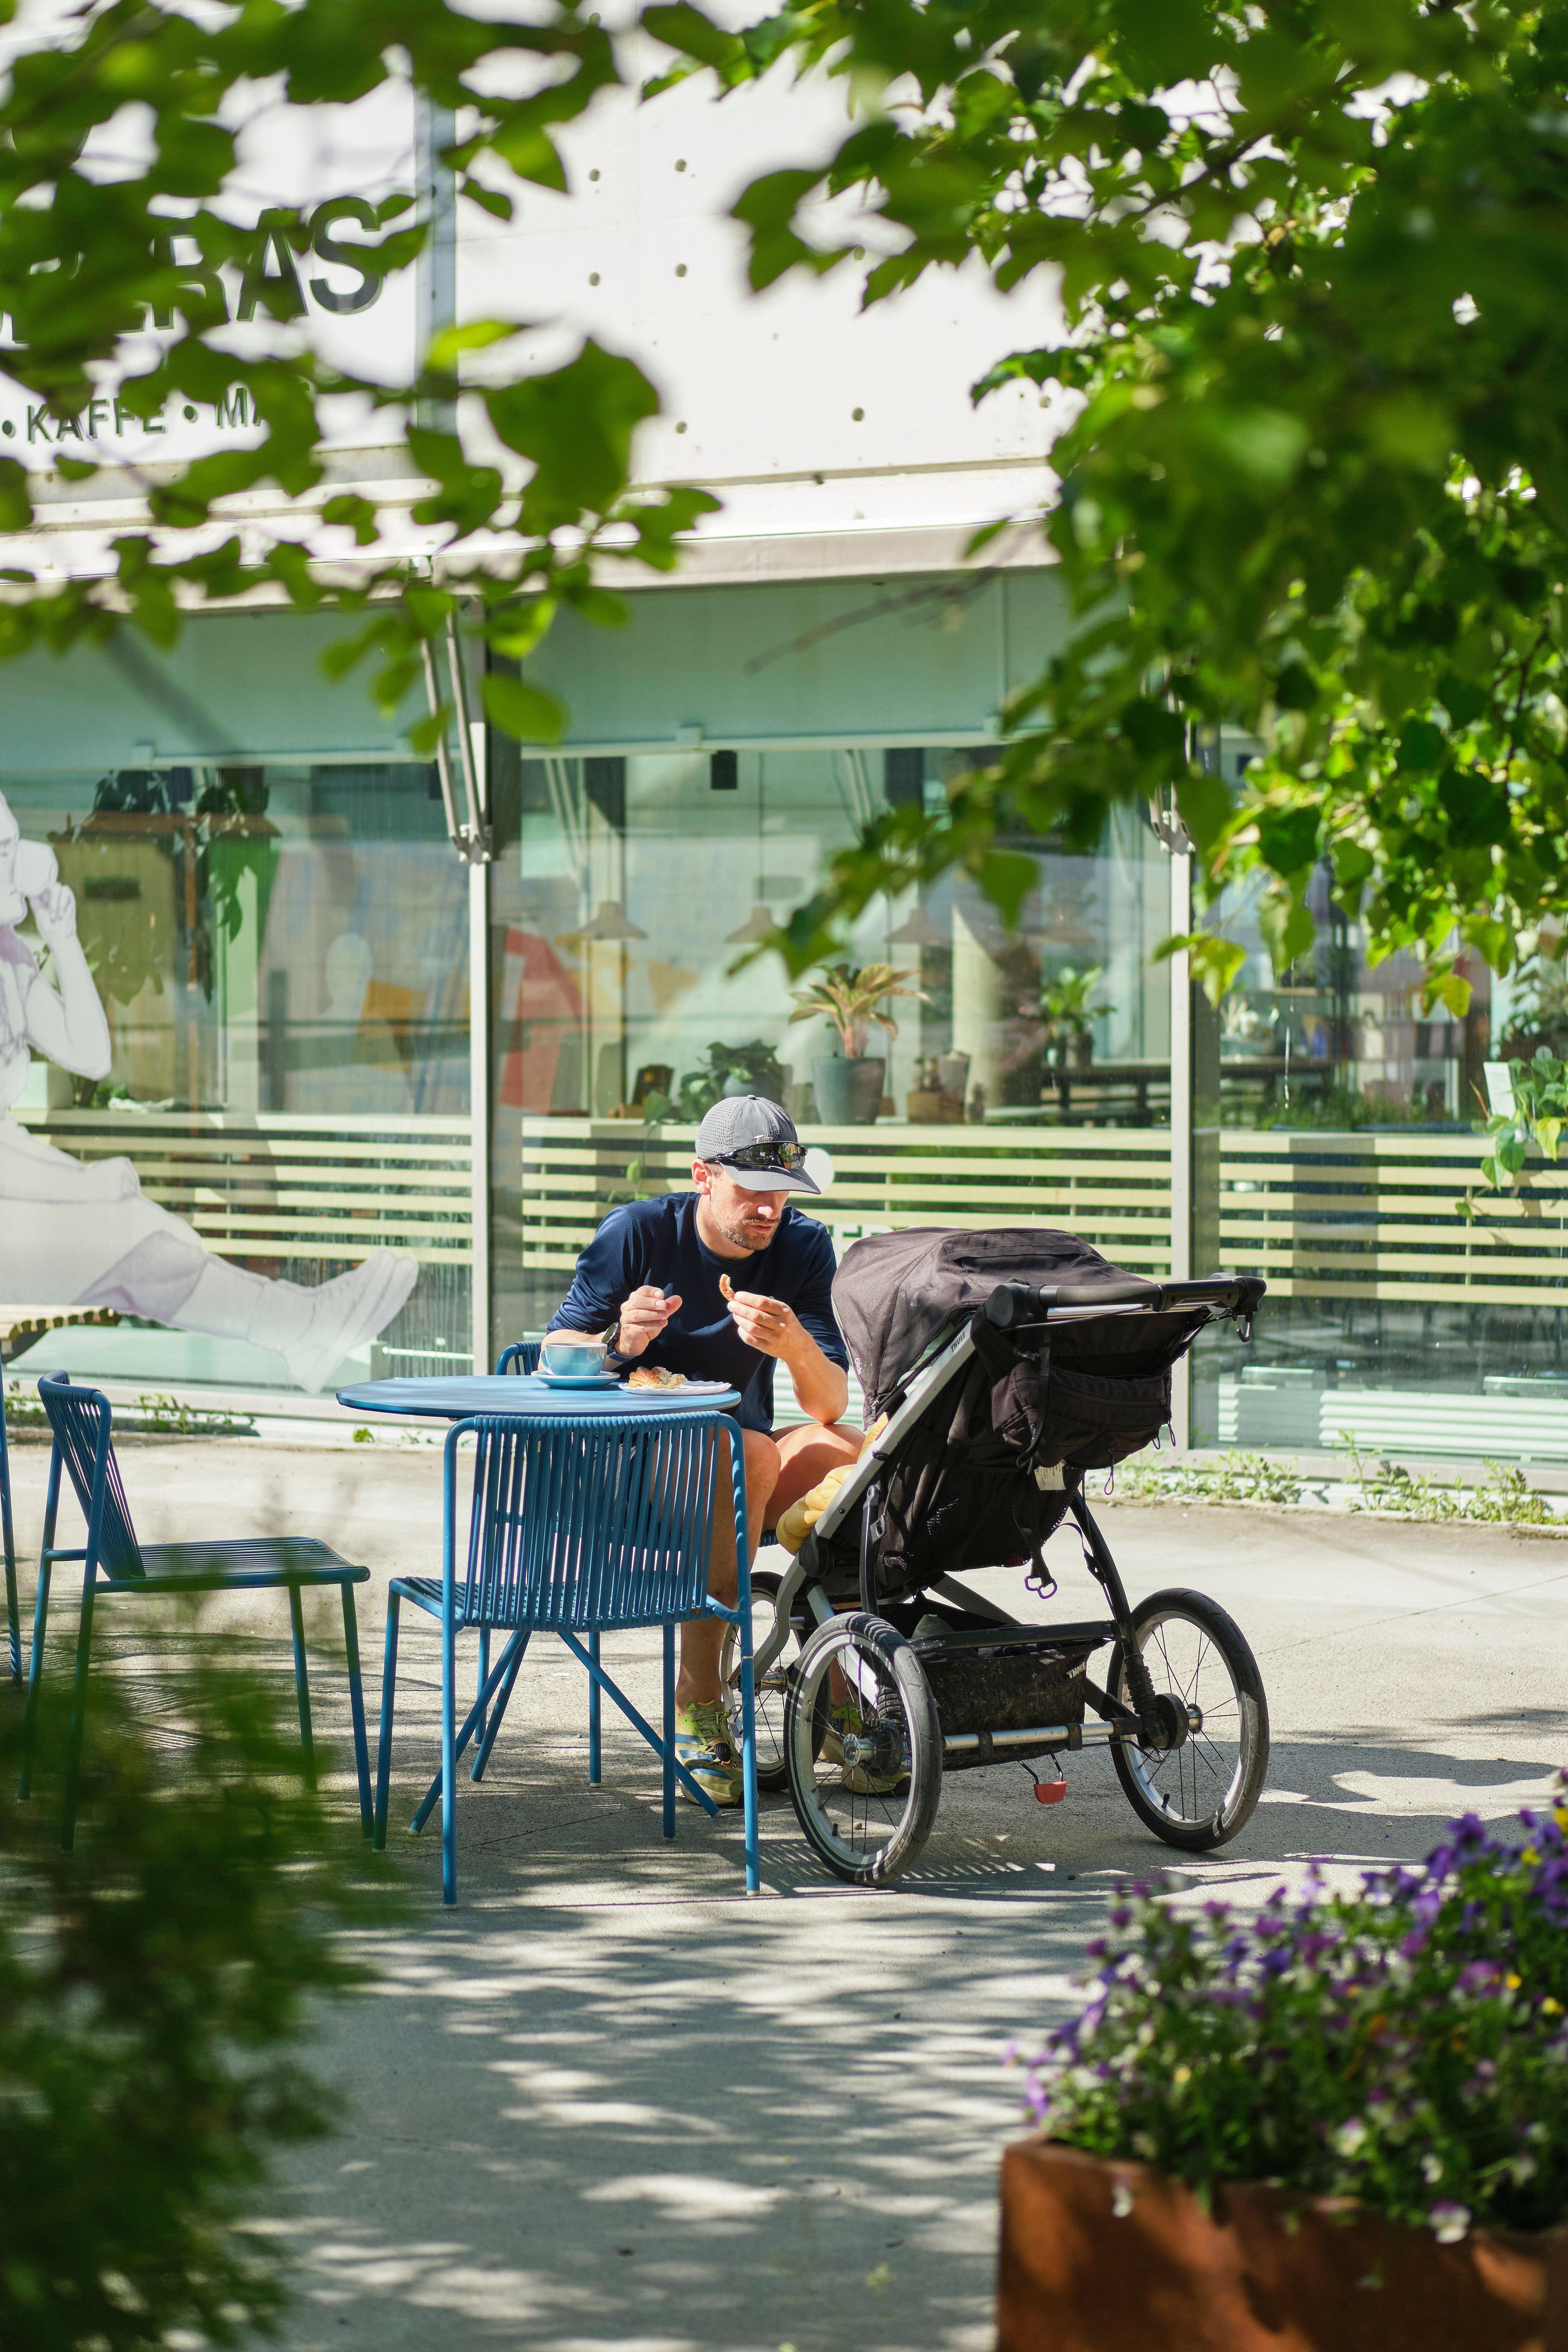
1266, 2272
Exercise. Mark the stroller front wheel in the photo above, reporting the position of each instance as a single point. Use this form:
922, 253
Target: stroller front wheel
863, 1748
1196, 1794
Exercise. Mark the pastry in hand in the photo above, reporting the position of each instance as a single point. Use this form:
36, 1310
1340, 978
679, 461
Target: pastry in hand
726, 1288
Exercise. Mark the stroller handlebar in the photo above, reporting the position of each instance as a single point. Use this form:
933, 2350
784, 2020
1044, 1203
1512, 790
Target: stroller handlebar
1236, 1295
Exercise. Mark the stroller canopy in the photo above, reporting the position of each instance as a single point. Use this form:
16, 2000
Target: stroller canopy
895, 1292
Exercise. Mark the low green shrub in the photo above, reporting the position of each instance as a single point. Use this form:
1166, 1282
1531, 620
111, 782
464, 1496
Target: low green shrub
1504, 1496
155, 1983
1405, 2045
1238, 1479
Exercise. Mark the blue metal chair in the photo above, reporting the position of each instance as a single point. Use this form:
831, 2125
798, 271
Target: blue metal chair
522, 1356
116, 1564
580, 1525
8, 1544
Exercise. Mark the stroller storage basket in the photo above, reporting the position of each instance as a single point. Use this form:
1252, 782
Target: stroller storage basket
1006, 1680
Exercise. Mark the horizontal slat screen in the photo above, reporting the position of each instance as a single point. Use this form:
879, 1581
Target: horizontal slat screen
1111, 1186
278, 1184
1373, 1217
1322, 1215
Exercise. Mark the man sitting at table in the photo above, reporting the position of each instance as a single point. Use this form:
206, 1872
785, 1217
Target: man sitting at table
722, 1283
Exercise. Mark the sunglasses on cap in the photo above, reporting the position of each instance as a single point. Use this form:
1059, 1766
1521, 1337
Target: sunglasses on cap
785, 1156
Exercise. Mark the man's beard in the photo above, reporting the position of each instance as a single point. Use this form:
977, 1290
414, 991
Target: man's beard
733, 1230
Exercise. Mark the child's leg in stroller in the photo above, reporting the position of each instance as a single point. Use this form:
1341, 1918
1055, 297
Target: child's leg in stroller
701, 1638
806, 1454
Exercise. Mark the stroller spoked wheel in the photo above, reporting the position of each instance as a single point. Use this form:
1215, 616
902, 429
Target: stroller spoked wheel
863, 1749
772, 1771
1200, 1787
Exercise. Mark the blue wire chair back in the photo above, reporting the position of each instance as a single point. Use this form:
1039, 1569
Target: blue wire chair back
83, 1425
521, 1357
586, 1524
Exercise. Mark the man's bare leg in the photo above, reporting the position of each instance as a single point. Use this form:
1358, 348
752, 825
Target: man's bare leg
701, 1638
806, 1455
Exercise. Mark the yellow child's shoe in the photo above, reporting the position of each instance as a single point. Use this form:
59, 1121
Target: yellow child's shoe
702, 1744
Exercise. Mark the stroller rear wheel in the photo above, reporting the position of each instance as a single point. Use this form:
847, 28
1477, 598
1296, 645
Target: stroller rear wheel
863, 1748
1198, 1793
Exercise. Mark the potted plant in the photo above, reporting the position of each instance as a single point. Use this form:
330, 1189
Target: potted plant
1064, 1002
753, 1068
1343, 2122
850, 1085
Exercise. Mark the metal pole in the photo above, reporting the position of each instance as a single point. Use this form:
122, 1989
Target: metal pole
479, 1105
1182, 1200
436, 272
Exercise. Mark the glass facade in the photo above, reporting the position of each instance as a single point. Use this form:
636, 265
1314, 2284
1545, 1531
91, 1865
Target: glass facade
262, 976
625, 912
242, 1146
1410, 1309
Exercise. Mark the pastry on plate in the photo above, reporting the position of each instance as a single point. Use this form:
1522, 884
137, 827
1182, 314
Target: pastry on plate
654, 1376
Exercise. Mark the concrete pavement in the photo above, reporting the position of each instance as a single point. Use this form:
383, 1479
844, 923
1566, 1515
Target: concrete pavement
608, 2102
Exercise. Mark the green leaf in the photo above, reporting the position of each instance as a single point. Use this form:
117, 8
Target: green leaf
1287, 839
683, 27
432, 730
1422, 748
1287, 926
1451, 990
1211, 961
1165, 41
517, 628
522, 710
529, 150
475, 335
577, 424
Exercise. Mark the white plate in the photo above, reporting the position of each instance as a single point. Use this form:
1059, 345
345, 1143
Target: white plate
579, 1380
693, 1388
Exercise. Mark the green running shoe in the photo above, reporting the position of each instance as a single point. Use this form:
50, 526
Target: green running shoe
702, 1744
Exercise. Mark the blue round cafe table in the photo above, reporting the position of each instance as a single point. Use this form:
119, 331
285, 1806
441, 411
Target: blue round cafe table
459, 1395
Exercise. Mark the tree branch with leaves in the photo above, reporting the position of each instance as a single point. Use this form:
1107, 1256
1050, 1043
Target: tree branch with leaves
1312, 475
121, 206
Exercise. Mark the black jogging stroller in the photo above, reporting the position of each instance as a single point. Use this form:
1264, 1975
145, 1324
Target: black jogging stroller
1007, 1364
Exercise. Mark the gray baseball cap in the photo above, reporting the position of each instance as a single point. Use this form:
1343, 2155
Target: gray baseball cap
756, 1141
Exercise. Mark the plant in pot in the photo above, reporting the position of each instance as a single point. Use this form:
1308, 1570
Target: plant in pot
850, 1085
753, 1068
1065, 1004
1340, 2123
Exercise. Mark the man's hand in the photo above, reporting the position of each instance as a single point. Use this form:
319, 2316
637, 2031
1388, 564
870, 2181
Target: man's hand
643, 1318
766, 1324
54, 911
